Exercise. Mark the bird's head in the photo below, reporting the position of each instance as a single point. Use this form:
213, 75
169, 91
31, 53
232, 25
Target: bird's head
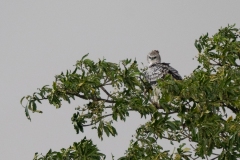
153, 57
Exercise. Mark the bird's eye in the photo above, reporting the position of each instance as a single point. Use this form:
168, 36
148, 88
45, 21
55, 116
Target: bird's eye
152, 58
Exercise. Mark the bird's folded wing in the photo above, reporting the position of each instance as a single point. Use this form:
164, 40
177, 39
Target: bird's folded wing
174, 73
159, 70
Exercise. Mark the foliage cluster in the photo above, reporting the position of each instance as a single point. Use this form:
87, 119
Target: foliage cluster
202, 109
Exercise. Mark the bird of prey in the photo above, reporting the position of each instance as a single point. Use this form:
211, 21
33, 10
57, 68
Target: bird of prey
157, 70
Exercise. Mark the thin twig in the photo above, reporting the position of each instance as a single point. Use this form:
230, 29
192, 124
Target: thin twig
215, 157
98, 120
93, 98
104, 90
192, 146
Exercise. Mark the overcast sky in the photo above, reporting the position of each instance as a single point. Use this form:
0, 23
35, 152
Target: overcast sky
39, 39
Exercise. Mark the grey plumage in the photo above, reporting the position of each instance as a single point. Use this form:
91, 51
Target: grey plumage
157, 70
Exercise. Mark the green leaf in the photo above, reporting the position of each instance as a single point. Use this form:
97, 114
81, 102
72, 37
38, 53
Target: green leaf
34, 106
106, 130
22, 99
27, 113
75, 70
84, 56
198, 46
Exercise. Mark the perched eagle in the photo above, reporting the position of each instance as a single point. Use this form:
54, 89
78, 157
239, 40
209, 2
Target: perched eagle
157, 70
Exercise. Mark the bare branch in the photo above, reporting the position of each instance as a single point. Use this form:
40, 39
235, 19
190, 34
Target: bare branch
104, 90
215, 157
192, 146
234, 110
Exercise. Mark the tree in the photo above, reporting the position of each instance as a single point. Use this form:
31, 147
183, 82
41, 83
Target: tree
202, 109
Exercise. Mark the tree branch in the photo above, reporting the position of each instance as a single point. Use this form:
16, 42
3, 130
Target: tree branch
104, 90
107, 115
234, 110
215, 157
92, 98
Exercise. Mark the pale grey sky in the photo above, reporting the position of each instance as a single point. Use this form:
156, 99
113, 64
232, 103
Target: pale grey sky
39, 39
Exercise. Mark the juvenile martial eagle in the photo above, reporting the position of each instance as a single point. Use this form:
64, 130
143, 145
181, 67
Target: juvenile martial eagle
157, 70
